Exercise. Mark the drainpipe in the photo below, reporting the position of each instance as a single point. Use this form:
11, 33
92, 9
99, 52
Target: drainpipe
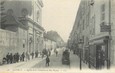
109, 41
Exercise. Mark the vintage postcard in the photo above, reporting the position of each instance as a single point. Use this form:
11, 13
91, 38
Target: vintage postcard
57, 36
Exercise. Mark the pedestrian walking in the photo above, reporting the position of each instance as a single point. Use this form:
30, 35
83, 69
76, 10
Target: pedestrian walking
23, 56
56, 53
11, 58
27, 55
8, 58
14, 58
36, 54
47, 61
49, 52
32, 54
20, 58
4, 60
17, 57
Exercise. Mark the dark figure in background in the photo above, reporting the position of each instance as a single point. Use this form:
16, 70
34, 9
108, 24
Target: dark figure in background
20, 58
66, 57
45, 52
8, 58
17, 57
23, 56
102, 58
32, 55
11, 58
98, 60
36, 54
49, 52
47, 61
42, 54
66, 53
4, 60
56, 52
14, 58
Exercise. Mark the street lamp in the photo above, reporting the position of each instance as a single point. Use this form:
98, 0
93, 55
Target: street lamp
80, 44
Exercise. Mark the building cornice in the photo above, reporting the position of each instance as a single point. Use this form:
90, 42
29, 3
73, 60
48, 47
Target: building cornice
36, 24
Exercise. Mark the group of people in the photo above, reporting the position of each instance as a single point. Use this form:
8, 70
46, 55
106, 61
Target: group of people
13, 58
32, 55
66, 57
46, 52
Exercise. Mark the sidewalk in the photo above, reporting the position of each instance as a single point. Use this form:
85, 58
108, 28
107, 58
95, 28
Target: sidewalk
25, 64
75, 61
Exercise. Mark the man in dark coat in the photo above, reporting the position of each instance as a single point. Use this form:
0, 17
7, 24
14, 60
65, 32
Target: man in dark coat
8, 58
36, 54
14, 58
32, 55
23, 56
17, 57
47, 60
11, 58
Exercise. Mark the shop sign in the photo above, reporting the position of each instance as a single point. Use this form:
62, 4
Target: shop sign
105, 28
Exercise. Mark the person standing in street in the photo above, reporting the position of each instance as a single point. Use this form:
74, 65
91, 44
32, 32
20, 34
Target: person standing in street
23, 56
32, 55
27, 56
49, 52
14, 58
47, 61
36, 54
8, 58
56, 52
11, 58
17, 57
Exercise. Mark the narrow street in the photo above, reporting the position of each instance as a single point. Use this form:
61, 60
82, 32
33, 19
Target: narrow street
40, 34
55, 62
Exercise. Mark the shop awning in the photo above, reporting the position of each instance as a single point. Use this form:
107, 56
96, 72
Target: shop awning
99, 38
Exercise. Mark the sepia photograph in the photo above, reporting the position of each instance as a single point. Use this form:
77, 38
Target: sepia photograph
57, 36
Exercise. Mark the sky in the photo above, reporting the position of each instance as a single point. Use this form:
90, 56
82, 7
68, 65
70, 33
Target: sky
59, 15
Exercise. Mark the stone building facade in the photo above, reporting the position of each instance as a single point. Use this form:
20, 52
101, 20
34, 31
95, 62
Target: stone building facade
24, 18
94, 25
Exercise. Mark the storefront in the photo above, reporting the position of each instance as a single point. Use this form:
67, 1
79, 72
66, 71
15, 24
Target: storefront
98, 52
